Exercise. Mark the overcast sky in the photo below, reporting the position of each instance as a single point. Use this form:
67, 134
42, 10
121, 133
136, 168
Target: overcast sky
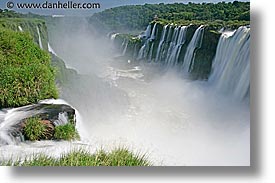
104, 4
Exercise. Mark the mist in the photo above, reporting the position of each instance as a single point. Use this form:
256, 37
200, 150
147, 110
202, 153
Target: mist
173, 120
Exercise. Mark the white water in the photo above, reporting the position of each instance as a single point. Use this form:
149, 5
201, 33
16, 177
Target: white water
39, 37
20, 28
174, 121
153, 34
50, 49
113, 36
231, 66
11, 117
194, 43
160, 46
175, 46
125, 46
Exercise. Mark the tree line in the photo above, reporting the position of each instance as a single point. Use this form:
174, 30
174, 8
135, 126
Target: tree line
137, 17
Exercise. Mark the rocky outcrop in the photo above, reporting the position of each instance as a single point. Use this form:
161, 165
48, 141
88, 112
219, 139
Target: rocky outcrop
50, 115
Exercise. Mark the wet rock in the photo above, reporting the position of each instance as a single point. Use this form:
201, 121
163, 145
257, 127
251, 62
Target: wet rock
50, 115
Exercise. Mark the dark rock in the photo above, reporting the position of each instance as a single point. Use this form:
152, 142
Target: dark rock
51, 115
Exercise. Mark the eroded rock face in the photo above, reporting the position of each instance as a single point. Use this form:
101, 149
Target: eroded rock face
13, 121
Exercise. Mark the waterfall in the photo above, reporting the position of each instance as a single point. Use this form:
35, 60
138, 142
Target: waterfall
124, 46
231, 65
150, 56
175, 47
39, 38
173, 37
148, 31
113, 36
20, 28
50, 49
9, 118
161, 43
62, 119
153, 34
190, 52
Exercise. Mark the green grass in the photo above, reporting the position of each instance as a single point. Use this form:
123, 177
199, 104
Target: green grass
117, 157
25, 71
66, 132
34, 129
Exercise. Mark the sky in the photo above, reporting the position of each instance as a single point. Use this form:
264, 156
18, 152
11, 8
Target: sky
103, 3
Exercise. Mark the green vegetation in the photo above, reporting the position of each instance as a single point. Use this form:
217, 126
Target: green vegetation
137, 17
28, 25
34, 129
118, 157
25, 71
65, 132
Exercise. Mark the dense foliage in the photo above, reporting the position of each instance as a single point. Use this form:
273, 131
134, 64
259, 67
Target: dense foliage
66, 132
29, 25
118, 157
34, 129
137, 17
25, 71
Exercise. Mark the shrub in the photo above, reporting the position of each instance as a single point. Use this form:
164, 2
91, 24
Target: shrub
66, 132
34, 129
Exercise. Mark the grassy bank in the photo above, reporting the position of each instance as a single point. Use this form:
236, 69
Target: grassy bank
117, 157
25, 70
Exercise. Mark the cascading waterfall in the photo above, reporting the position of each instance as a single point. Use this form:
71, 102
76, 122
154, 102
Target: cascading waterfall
231, 65
190, 52
153, 34
168, 54
113, 36
161, 43
175, 46
146, 49
39, 37
125, 46
62, 119
142, 54
50, 49
172, 45
20, 28
9, 118
148, 31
